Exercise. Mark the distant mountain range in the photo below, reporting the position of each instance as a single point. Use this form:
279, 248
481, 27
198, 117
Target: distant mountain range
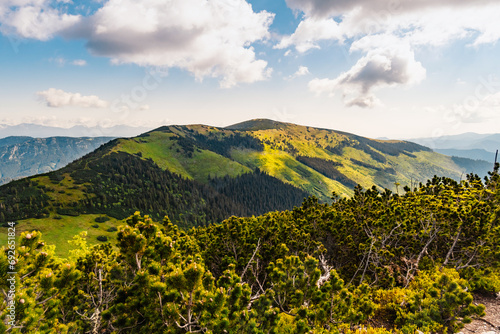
475, 154
41, 131
26, 156
467, 145
197, 174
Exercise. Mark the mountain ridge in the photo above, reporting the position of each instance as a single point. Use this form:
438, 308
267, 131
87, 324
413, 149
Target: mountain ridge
200, 174
22, 156
465, 141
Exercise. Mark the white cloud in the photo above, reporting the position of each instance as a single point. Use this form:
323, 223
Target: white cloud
206, 38
387, 33
309, 32
302, 71
59, 61
57, 98
390, 64
79, 62
474, 109
35, 19
427, 22
326, 8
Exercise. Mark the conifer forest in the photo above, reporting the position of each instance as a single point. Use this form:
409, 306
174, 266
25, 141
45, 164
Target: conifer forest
376, 262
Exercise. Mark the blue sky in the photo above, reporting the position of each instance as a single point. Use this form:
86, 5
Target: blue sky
377, 68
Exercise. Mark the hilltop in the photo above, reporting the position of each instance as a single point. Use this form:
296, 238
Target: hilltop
199, 174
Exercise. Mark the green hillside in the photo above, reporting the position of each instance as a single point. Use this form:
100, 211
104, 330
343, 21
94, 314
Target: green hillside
199, 174
374, 263
199, 152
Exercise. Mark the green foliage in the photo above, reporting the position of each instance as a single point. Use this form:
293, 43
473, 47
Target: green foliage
42, 281
169, 171
437, 302
118, 184
23, 199
101, 219
485, 281
409, 261
258, 193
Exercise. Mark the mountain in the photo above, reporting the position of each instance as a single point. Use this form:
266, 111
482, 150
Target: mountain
41, 131
26, 156
475, 154
198, 174
465, 141
13, 140
474, 146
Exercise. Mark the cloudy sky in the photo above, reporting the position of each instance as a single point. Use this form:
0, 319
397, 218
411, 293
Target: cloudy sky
379, 68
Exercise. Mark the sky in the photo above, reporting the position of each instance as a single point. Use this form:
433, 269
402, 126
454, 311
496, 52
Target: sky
377, 68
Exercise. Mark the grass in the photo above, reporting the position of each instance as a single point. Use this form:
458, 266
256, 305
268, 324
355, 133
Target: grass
283, 166
65, 191
58, 231
425, 166
277, 162
159, 147
163, 150
207, 163
275, 159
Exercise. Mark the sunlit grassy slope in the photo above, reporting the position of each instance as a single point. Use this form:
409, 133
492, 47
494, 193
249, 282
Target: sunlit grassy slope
281, 137
201, 153
57, 230
163, 149
282, 143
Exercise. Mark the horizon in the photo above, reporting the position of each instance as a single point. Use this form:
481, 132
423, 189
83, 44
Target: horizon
141, 130
398, 70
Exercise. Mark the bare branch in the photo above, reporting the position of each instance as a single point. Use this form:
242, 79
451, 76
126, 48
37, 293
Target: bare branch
450, 251
251, 260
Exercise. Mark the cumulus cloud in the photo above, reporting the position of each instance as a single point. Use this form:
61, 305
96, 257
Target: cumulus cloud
206, 38
389, 64
386, 33
57, 98
36, 19
325, 8
303, 70
425, 22
309, 32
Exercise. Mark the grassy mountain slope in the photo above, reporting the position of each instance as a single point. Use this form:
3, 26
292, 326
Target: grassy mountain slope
115, 182
361, 160
199, 152
318, 161
198, 174
474, 154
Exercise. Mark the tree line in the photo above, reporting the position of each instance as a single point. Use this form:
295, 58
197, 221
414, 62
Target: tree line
118, 184
378, 262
